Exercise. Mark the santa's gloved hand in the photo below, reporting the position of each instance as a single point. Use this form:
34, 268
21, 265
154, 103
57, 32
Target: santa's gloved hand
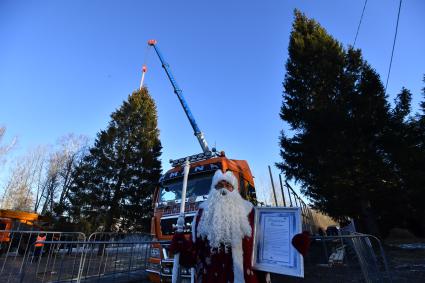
178, 243
301, 242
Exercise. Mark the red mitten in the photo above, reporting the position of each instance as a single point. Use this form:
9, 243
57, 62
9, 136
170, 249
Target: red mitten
301, 242
178, 243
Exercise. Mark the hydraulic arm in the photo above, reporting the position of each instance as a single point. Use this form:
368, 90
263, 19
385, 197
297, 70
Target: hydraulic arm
179, 94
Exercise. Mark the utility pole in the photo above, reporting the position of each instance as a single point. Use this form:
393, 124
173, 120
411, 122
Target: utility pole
281, 189
274, 192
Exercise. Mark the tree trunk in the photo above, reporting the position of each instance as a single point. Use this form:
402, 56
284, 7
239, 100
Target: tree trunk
369, 219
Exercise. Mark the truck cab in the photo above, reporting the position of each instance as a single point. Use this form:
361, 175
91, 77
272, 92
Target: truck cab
12, 221
167, 199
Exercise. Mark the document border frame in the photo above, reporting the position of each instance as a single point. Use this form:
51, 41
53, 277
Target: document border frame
298, 270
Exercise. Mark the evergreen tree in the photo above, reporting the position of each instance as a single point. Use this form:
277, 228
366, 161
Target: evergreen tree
413, 169
421, 116
113, 185
338, 112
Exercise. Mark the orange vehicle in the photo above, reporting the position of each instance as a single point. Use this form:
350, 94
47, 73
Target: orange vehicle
167, 199
13, 220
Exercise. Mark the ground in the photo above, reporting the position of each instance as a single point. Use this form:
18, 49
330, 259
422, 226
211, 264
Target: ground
406, 261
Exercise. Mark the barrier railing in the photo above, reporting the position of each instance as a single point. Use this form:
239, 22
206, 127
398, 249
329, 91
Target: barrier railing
121, 260
119, 236
344, 258
17, 247
81, 261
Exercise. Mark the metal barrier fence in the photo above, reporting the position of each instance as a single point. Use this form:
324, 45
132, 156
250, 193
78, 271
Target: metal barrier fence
17, 248
344, 258
119, 259
91, 262
119, 237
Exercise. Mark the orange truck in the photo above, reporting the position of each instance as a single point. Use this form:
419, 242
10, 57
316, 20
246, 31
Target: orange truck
167, 199
15, 220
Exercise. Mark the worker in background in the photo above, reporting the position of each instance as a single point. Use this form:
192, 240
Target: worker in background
222, 236
38, 247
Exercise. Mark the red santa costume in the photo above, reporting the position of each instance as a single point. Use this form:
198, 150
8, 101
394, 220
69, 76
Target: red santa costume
222, 236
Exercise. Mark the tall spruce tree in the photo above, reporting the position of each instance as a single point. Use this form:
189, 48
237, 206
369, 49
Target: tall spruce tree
404, 142
337, 109
114, 183
413, 169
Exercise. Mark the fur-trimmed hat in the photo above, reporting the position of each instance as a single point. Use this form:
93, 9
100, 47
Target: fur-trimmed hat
228, 176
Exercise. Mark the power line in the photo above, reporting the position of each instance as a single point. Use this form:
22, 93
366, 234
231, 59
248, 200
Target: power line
392, 52
360, 22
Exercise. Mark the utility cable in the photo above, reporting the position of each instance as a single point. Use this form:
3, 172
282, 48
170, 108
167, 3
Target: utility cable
360, 22
392, 52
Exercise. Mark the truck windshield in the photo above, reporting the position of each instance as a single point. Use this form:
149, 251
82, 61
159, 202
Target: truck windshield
196, 186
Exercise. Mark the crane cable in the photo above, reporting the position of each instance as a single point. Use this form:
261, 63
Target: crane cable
392, 52
360, 22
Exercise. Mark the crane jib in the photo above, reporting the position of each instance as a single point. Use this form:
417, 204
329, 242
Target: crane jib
179, 93
188, 113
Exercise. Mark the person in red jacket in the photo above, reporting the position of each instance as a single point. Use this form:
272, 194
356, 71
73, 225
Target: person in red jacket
222, 235
221, 246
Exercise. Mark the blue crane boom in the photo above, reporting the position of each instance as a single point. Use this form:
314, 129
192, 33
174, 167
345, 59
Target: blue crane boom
179, 94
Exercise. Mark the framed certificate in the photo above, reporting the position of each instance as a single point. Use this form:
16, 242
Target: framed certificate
273, 232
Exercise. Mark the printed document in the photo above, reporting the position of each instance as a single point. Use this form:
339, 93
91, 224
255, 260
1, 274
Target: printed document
276, 242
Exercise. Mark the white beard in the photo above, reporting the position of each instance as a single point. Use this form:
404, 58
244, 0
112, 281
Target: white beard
224, 219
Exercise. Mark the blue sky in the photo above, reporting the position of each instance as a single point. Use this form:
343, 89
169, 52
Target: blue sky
66, 65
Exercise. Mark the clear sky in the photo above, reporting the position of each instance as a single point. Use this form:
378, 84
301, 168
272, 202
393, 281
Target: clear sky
66, 65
